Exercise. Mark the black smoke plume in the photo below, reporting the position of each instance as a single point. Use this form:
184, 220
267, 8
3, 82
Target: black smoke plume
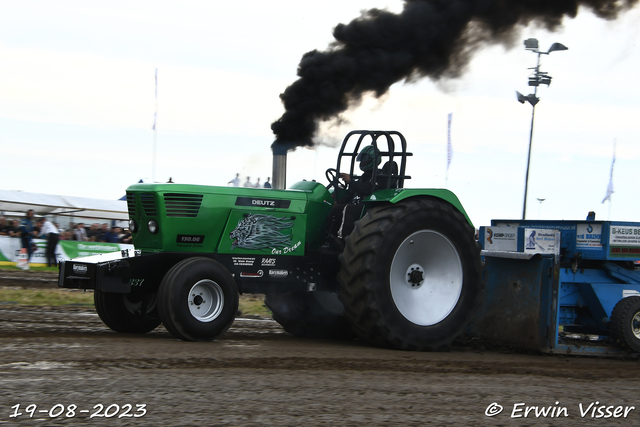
429, 38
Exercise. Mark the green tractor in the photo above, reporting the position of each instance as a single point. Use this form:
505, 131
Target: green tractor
406, 277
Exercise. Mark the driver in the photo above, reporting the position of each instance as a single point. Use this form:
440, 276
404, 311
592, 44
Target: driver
347, 211
358, 187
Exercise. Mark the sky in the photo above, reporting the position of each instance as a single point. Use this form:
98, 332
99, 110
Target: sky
78, 104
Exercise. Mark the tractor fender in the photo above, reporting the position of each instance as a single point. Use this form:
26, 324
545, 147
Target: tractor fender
398, 195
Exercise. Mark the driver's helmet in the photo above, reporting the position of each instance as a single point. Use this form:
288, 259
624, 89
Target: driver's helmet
367, 157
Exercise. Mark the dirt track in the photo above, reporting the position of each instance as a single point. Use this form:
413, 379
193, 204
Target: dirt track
258, 375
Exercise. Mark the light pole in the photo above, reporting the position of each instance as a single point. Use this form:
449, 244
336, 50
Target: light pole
538, 78
540, 206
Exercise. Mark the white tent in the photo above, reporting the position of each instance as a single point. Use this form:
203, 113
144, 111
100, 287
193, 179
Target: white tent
49, 204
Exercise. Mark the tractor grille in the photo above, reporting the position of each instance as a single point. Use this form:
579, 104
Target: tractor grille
148, 204
131, 204
182, 205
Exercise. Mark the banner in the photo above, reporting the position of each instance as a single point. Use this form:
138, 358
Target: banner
66, 249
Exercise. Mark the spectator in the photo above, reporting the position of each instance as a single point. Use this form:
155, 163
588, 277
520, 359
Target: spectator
112, 236
14, 229
248, 183
52, 234
37, 227
235, 181
4, 227
103, 231
258, 184
93, 232
126, 237
27, 234
65, 235
267, 184
80, 233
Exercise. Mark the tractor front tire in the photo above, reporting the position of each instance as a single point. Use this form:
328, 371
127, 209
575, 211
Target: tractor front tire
198, 299
133, 313
410, 275
625, 320
310, 314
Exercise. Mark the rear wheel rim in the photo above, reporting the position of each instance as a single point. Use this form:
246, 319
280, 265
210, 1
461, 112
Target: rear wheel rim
206, 300
426, 277
635, 325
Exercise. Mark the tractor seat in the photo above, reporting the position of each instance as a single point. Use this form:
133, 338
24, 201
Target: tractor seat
388, 176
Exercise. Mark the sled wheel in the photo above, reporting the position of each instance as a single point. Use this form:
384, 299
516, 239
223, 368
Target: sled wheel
135, 312
310, 314
198, 299
410, 275
625, 320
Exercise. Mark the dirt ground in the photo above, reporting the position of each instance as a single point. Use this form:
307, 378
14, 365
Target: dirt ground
63, 367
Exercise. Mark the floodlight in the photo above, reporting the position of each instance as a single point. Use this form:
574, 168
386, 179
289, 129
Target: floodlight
557, 46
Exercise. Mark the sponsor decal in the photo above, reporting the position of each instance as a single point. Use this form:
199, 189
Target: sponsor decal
541, 241
79, 269
267, 203
624, 235
286, 250
588, 236
278, 274
268, 262
243, 260
625, 251
259, 273
500, 238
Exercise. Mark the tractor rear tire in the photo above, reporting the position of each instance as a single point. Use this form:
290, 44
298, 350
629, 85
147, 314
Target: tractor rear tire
310, 314
133, 313
625, 320
198, 299
410, 275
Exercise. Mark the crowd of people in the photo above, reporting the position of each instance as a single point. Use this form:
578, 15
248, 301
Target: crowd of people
28, 229
235, 182
96, 233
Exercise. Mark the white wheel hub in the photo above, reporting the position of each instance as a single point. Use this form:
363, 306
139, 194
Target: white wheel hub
426, 277
206, 300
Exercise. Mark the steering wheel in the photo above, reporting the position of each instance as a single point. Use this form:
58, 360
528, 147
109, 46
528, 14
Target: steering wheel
334, 179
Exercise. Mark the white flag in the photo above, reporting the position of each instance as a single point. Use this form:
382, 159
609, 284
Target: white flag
610, 186
449, 148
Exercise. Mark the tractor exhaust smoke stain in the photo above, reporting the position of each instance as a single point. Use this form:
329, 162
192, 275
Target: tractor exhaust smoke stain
429, 38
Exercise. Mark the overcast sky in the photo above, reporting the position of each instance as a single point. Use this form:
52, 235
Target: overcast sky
77, 103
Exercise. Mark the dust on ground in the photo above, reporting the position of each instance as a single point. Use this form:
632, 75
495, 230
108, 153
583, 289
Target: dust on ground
77, 372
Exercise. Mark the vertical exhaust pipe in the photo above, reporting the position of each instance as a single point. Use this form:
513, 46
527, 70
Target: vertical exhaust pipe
279, 175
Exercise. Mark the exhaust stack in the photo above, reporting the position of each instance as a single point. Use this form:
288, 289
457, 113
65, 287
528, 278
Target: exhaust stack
279, 175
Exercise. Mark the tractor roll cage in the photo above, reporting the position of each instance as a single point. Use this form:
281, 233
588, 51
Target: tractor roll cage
390, 175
